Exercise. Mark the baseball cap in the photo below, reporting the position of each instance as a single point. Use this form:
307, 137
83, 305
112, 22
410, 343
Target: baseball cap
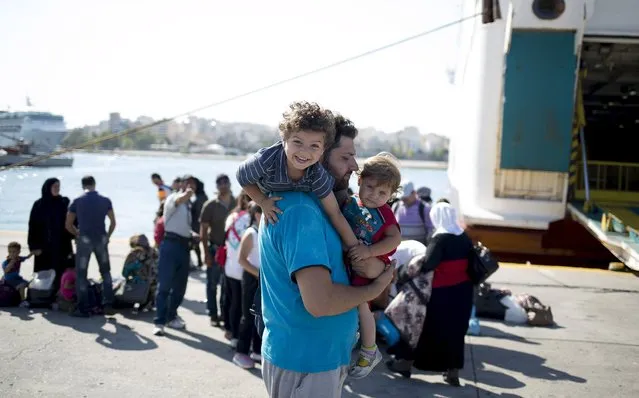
423, 192
406, 188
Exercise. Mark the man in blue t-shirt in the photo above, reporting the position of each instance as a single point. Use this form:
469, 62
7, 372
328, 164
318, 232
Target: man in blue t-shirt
309, 308
90, 211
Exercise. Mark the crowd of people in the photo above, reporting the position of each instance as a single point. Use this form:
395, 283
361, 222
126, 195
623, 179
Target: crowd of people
303, 263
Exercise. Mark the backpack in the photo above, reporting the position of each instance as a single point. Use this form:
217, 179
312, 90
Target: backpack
221, 252
9, 296
422, 215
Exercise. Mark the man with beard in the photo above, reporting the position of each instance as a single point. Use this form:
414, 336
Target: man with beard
308, 306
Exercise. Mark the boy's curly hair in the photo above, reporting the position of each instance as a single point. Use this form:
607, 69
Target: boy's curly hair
309, 116
14, 245
384, 168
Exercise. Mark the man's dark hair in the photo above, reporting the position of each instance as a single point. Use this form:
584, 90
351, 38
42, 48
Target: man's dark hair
443, 200
88, 181
155, 175
221, 177
343, 128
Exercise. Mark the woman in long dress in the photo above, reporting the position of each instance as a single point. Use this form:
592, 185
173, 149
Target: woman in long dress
48, 238
441, 343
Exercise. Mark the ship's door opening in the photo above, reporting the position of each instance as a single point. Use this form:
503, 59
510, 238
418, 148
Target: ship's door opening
610, 91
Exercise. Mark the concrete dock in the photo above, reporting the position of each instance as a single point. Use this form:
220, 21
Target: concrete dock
593, 350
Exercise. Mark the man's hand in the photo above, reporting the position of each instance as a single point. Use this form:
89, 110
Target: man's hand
208, 259
385, 278
370, 268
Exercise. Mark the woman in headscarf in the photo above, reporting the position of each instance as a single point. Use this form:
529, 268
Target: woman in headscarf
441, 344
48, 238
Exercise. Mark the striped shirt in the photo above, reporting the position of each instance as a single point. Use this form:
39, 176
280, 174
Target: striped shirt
268, 170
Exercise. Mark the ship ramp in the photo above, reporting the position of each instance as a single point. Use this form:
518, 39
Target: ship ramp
615, 225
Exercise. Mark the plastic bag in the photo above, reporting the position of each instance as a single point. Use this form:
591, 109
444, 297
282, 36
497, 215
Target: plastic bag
43, 280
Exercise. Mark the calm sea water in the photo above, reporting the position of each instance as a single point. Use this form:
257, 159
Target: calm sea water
126, 180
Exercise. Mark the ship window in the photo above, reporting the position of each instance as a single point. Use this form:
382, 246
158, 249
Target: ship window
548, 9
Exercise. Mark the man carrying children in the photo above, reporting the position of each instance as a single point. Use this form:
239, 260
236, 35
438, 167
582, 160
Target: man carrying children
308, 305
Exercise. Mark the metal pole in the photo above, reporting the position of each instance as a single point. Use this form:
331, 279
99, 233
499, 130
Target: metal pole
585, 162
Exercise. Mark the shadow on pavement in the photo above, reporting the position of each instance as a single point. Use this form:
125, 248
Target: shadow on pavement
201, 342
124, 337
529, 365
24, 314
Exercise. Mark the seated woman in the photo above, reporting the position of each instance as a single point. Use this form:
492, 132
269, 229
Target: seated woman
441, 344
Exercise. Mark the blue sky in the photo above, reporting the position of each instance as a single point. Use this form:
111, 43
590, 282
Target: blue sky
84, 59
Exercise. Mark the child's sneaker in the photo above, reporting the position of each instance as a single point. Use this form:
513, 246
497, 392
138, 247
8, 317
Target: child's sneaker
24, 304
243, 361
256, 357
367, 360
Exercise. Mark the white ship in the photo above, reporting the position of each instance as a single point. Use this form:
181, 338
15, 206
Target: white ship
25, 136
548, 105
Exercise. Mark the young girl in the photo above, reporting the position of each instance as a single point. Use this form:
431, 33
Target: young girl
66, 296
293, 165
249, 259
11, 269
374, 224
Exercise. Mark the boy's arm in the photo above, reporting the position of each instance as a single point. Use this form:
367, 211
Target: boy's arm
392, 238
329, 203
255, 193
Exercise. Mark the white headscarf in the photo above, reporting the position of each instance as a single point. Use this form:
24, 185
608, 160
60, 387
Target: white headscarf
444, 218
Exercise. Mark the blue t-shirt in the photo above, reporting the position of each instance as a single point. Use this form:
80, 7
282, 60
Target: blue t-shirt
16, 268
294, 339
91, 209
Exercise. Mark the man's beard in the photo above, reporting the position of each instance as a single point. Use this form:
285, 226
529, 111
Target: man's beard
342, 183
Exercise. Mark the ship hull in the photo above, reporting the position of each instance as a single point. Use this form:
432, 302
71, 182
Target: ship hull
8, 160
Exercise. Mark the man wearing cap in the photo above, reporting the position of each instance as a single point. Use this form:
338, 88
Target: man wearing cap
412, 214
212, 219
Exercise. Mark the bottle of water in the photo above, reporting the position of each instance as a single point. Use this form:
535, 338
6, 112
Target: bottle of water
386, 328
473, 324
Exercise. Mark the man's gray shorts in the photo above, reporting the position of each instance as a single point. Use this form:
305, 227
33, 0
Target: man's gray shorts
281, 383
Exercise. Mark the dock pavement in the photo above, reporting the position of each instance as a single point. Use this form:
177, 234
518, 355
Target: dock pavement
593, 351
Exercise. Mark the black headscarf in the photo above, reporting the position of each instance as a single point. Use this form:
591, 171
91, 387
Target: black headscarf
46, 189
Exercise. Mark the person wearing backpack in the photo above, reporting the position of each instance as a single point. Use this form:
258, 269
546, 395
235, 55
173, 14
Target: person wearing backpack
412, 214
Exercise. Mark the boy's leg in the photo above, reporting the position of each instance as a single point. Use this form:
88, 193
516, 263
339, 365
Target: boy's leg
22, 289
369, 355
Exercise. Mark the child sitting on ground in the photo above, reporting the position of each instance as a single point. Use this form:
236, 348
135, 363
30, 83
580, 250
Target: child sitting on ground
374, 224
66, 296
293, 165
11, 269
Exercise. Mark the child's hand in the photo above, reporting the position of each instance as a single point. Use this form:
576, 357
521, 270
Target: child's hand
270, 210
359, 252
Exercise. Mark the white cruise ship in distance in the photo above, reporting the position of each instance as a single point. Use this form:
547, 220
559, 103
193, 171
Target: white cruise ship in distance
40, 132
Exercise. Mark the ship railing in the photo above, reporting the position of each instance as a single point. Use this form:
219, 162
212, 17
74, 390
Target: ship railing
610, 181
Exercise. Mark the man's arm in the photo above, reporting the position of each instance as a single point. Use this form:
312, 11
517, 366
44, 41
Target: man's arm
184, 197
111, 216
322, 297
370, 268
69, 224
204, 233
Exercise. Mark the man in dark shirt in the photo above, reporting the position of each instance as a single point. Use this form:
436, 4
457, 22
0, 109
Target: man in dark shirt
91, 236
212, 219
